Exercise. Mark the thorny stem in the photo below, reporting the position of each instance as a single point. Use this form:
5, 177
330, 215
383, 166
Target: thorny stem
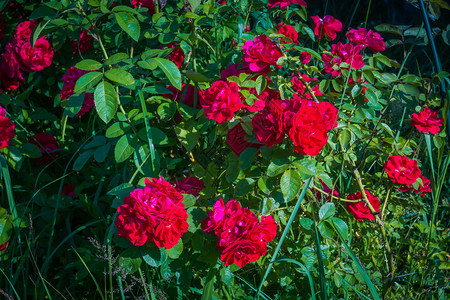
373, 212
334, 197
308, 88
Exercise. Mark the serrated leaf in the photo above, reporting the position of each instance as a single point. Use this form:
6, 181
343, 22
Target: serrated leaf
277, 167
87, 82
105, 101
120, 76
116, 58
290, 184
129, 24
327, 210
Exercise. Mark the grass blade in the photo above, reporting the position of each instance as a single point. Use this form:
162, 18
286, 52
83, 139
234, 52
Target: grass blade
304, 271
323, 281
92, 276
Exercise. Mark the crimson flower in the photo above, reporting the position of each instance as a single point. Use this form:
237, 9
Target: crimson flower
427, 121
285, 3
402, 170
342, 53
260, 54
359, 209
328, 26
422, 189
221, 101
7, 131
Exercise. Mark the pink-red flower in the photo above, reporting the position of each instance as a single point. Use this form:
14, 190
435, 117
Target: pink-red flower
421, 190
221, 101
342, 53
402, 170
359, 209
237, 142
285, 3
155, 213
47, 144
10, 73
84, 43
305, 57
242, 238
149, 4
427, 121
300, 87
189, 185
326, 26
4, 246
291, 35
365, 38
260, 54
7, 131
177, 54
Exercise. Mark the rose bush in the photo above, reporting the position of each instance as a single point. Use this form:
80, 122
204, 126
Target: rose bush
226, 149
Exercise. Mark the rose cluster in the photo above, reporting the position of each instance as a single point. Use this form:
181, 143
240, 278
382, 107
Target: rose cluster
326, 26
242, 238
69, 81
154, 213
342, 53
20, 57
365, 38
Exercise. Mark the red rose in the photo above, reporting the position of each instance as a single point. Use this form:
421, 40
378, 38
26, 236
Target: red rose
10, 73
242, 238
358, 36
402, 170
427, 121
4, 246
291, 35
189, 185
37, 58
2, 111
221, 101
329, 114
365, 38
177, 55
149, 4
23, 32
47, 144
422, 189
88, 104
308, 131
342, 53
300, 87
359, 209
84, 43
266, 129
328, 25
305, 57
7, 131
236, 140
285, 3
154, 213
375, 42
260, 54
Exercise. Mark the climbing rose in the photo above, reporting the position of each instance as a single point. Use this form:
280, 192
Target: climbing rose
83, 44
427, 121
69, 80
260, 54
177, 54
10, 73
342, 53
291, 35
237, 142
242, 238
359, 209
23, 32
328, 25
154, 213
285, 3
149, 4
7, 131
2, 111
189, 185
36, 58
365, 38
422, 189
308, 131
47, 144
305, 57
375, 42
402, 170
221, 101
300, 87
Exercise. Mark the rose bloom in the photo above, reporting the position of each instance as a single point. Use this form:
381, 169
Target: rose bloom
359, 209
308, 131
285, 3
300, 87
427, 121
37, 58
69, 80
10, 73
328, 25
7, 131
305, 57
47, 144
291, 35
375, 42
402, 170
260, 54
221, 101
84, 43
242, 238
342, 53
266, 128
154, 213
2, 111
422, 189
149, 4
177, 54
23, 32
189, 185
365, 38
236, 140
4, 246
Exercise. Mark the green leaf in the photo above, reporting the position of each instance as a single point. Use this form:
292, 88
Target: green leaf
87, 82
341, 226
176, 250
116, 58
209, 286
73, 105
6, 228
188, 134
306, 167
277, 167
38, 32
129, 24
290, 184
88, 65
197, 77
120, 76
117, 129
194, 5
261, 84
327, 210
82, 160
101, 153
125, 147
171, 70
105, 101
153, 255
